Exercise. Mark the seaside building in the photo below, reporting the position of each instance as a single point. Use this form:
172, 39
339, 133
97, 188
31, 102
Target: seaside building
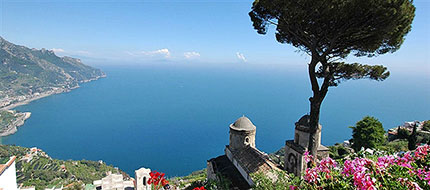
241, 158
295, 149
8, 175
142, 177
114, 182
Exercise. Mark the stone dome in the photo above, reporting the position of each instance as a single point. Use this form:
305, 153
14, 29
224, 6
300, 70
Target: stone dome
304, 121
243, 124
304, 124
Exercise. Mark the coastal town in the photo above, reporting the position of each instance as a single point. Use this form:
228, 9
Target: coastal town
9, 101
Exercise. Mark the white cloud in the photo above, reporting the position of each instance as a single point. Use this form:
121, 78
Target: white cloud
190, 55
58, 50
240, 56
156, 53
163, 52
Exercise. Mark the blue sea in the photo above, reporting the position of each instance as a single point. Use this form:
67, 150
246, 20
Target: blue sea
173, 118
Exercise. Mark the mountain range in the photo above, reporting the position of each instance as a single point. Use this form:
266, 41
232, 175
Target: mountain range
25, 71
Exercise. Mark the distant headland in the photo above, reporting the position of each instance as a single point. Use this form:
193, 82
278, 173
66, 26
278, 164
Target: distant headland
30, 74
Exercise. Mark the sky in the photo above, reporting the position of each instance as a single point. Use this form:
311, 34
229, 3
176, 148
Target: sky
201, 32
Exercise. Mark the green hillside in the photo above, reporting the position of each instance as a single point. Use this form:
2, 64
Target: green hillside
39, 170
26, 71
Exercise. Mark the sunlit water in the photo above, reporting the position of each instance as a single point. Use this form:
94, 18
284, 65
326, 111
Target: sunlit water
174, 118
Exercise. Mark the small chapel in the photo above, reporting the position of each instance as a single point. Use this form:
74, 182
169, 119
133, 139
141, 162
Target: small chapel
295, 149
241, 157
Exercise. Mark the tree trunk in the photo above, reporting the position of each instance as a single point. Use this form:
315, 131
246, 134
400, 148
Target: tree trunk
315, 101
313, 125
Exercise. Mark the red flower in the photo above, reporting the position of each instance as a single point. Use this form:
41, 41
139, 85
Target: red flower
158, 181
164, 182
199, 188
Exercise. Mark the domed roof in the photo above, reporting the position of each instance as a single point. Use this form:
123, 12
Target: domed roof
243, 124
304, 124
304, 121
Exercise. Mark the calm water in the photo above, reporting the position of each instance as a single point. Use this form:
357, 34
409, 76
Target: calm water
174, 118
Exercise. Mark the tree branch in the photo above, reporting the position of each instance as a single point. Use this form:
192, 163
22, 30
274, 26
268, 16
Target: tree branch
312, 75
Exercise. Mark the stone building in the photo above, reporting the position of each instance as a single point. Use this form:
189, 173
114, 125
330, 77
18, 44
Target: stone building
8, 175
241, 158
142, 177
114, 182
295, 149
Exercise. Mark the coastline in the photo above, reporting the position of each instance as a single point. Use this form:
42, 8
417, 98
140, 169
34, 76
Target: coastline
13, 128
14, 105
55, 90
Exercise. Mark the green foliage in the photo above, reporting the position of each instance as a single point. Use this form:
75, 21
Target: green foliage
361, 171
284, 181
43, 171
221, 184
426, 125
199, 179
336, 27
399, 145
75, 186
3, 160
338, 151
402, 133
413, 139
24, 70
340, 71
333, 29
195, 178
6, 118
423, 138
367, 133
330, 30
278, 157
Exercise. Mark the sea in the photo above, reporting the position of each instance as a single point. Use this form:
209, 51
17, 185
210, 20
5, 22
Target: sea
173, 118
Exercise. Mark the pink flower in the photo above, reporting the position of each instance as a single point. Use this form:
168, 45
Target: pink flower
385, 161
307, 157
422, 151
311, 175
410, 184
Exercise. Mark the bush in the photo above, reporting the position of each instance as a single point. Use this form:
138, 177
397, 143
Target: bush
367, 133
426, 125
338, 151
398, 145
363, 171
402, 133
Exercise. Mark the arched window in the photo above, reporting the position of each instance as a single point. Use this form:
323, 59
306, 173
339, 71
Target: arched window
247, 140
144, 181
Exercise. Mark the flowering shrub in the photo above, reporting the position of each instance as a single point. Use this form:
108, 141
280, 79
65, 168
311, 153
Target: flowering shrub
157, 180
199, 188
410, 170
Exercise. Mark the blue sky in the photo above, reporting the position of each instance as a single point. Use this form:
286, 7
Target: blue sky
204, 32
